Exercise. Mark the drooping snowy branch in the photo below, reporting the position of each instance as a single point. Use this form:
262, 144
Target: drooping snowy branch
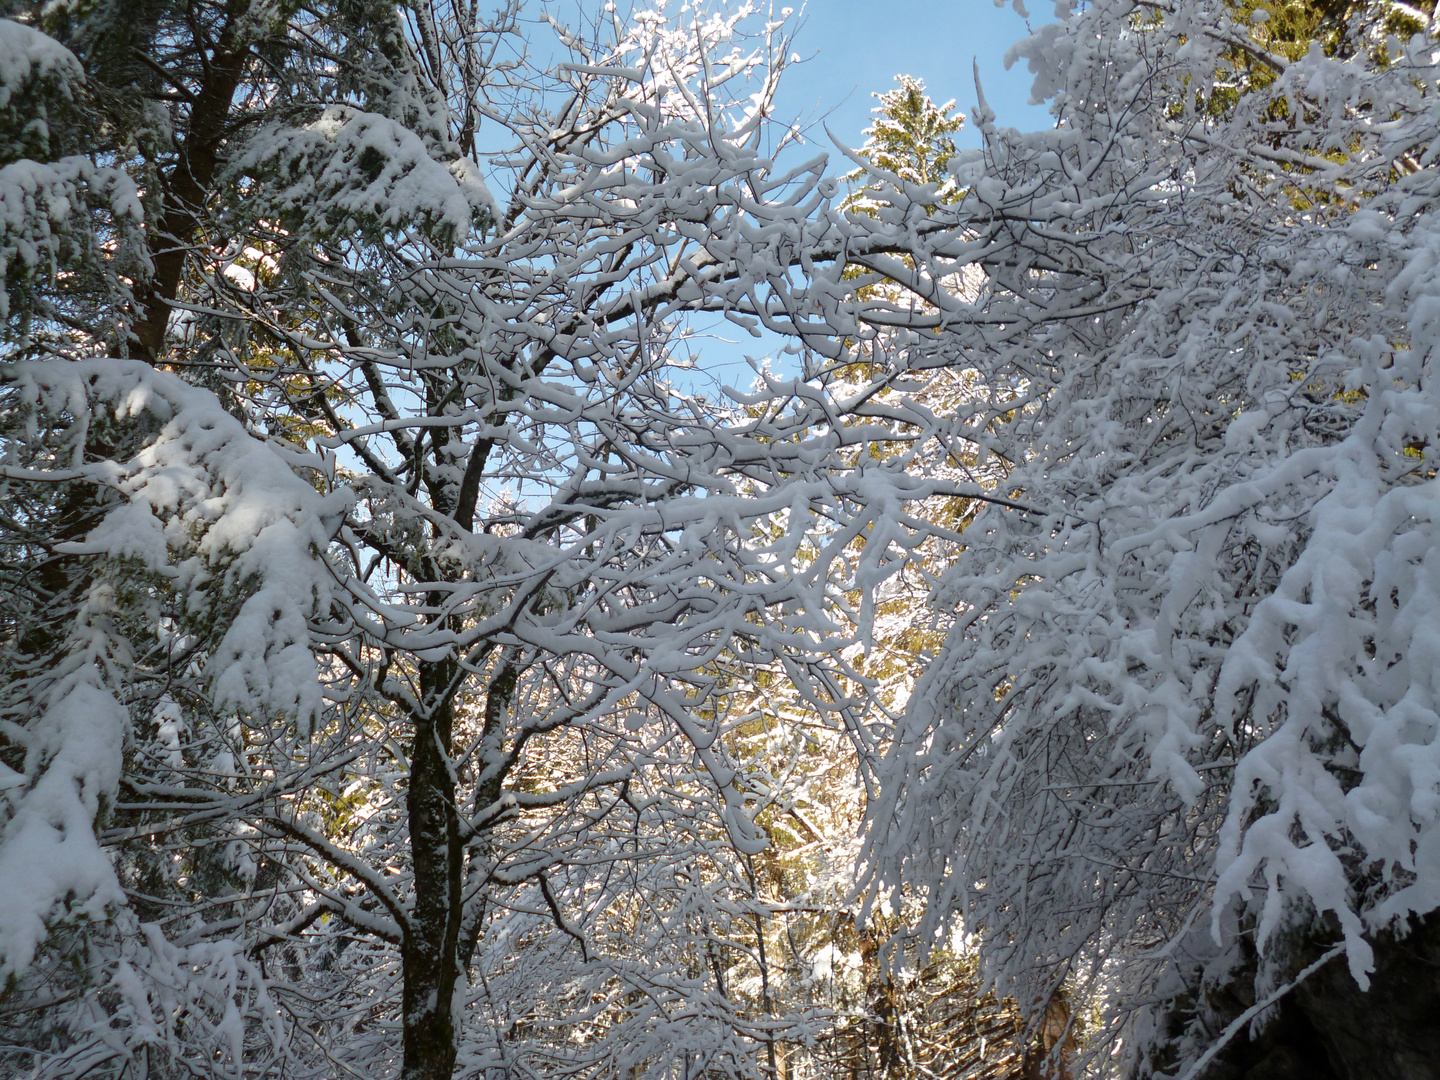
1194, 674
198, 508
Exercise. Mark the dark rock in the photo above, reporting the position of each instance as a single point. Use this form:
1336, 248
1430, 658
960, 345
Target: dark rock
1327, 1028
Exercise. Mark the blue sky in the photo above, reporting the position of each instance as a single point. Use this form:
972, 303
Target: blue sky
852, 48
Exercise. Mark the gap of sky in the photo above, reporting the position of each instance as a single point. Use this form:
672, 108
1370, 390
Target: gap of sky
851, 49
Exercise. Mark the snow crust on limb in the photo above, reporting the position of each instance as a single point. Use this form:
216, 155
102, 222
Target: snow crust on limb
45, 194
211, 511
48, 849
204, 998
26, 54
355, 170
1345, 647
1192, 684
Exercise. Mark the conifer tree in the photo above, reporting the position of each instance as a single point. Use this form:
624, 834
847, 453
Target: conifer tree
910, 140
1163, 743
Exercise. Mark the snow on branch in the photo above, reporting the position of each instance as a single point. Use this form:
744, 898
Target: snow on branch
206, 510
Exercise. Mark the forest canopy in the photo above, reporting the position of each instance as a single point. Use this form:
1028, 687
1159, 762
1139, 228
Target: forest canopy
422, 655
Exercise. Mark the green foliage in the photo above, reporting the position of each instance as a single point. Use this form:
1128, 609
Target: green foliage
911, 138
1268, 36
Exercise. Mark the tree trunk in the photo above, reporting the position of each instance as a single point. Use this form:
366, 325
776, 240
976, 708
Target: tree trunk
187, 187
429, 959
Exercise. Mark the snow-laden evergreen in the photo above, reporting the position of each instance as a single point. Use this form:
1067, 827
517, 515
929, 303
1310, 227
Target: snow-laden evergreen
200, 542
413, 661
50, 183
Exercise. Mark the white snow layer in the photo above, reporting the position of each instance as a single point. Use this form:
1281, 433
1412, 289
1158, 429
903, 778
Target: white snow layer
206, 505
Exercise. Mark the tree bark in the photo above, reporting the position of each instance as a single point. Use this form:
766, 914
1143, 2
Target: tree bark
430, 954
187, 187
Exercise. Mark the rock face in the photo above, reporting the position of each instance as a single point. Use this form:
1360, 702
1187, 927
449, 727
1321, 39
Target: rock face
1391, 1032
1327, 1028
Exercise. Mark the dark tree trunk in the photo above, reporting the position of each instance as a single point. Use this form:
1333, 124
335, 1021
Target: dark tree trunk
1391, 1032
188, 185
430, 954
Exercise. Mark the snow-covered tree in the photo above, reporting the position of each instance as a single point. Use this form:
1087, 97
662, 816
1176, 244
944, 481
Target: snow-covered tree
396, 616
898, 1008
1186, 709
910, 139
170, 88
58, 203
